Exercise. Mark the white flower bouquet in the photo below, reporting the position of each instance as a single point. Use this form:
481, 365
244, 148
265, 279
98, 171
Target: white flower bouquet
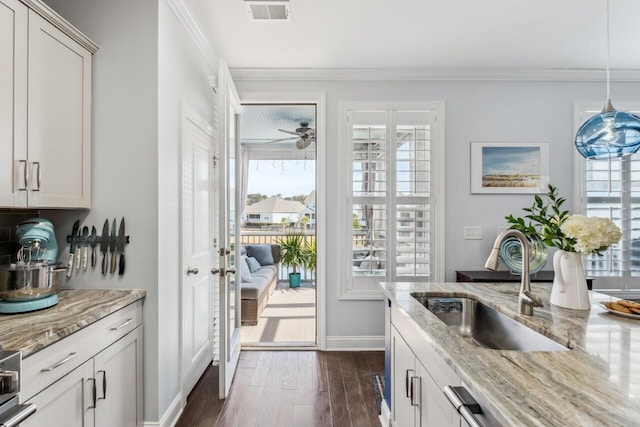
591, 235
571, 233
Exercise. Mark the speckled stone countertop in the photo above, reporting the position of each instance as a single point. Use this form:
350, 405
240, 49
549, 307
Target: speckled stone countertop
76, 308
595, 383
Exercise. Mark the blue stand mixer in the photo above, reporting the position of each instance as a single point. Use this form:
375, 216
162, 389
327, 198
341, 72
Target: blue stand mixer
31, 283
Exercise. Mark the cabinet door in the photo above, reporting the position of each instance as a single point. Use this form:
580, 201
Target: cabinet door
436, 411
13, 102
59, 134
66, 403
119, 382
403, 368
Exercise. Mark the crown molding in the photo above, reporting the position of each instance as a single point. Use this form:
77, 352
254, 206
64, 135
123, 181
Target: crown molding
62, 24
369, 74
184, 15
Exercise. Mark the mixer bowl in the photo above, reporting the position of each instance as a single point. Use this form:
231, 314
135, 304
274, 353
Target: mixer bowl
29, 281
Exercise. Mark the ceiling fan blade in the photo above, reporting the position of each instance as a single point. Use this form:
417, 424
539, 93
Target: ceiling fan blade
303, 143
279, 140
288, 131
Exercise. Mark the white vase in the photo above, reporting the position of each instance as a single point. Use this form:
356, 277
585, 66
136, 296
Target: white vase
569, 283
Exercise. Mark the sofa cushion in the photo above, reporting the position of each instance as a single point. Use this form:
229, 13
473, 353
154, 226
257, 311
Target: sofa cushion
253, 264
245, 272
262, 253
254, 289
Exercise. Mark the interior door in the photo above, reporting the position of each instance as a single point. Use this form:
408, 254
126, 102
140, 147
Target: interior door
229, 300
196, 286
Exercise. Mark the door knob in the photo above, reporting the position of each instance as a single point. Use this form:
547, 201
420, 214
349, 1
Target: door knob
231, 270
192, 270
215, 270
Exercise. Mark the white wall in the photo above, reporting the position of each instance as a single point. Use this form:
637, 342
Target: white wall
474, 111
147, 66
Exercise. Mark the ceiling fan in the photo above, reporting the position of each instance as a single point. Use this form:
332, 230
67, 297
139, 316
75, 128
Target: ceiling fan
304, 133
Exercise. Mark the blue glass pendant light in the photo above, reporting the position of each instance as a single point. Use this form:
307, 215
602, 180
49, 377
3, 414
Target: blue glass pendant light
611, 133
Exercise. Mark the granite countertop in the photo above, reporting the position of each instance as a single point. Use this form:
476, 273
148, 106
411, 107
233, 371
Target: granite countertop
595, 383
76, 308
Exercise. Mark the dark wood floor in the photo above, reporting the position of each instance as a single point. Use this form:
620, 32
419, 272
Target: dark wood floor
290, 388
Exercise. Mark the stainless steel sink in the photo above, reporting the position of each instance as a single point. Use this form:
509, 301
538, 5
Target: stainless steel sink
485, 327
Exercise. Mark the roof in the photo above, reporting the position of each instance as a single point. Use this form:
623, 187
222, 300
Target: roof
311, 198
275, 204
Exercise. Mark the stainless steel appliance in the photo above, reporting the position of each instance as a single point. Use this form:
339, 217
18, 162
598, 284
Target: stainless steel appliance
12, 413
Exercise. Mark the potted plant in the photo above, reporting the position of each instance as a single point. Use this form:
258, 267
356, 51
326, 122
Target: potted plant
293, 254
310, 255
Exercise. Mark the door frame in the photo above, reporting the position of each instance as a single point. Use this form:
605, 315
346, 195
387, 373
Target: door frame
319, 99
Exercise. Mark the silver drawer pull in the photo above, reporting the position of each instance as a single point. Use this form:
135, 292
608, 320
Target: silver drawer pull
60, 363
122, 325
464, 403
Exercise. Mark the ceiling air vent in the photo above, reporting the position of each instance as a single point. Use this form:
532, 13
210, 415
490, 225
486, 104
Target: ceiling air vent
268, 10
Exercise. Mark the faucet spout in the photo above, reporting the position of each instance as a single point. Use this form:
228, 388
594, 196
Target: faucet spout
526, 300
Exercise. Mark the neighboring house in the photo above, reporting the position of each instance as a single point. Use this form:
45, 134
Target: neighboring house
310, 209
273, 210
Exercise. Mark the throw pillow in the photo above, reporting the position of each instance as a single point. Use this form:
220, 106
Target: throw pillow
253, 264
245, 271
262, 253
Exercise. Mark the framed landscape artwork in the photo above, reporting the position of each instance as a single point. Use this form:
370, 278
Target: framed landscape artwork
509, 167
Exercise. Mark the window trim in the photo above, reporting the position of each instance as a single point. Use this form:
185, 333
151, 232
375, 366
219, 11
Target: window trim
582, 110
346, 289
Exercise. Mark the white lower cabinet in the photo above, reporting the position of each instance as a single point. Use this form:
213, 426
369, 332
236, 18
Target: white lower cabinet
66, 402
91, 378
101, 392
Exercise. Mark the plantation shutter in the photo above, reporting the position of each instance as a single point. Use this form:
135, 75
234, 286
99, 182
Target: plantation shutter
390, 196
612, 190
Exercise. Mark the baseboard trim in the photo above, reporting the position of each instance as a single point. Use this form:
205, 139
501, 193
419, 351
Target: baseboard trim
343, 343
171, 415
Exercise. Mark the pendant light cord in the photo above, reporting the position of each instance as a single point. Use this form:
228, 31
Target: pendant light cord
608, 51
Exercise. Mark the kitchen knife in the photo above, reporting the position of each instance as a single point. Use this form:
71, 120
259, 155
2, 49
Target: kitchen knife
78, 251
72, 247
85, 246
112, 246
104, 244
93, 241
120, 246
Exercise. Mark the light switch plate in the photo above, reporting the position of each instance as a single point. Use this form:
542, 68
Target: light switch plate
472, 232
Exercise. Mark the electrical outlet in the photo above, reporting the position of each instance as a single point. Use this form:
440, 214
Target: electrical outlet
472, 232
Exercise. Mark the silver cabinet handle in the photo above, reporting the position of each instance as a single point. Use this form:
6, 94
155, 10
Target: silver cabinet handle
25, 175
406, 382
38, 176
122, 325
17, 414
414, 401
93, 393
192, 270
60, 363
104, 384
464, 403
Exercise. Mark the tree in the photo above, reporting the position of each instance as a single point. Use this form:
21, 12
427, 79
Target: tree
255, 198
299, 198
356, 222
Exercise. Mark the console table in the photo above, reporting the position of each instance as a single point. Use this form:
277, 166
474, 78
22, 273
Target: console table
506, 276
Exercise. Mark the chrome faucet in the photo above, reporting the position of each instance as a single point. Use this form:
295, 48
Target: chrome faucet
526, 300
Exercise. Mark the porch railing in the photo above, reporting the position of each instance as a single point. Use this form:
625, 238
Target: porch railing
271, 237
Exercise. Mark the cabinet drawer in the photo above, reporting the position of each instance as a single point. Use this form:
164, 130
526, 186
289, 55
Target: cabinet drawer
41, 369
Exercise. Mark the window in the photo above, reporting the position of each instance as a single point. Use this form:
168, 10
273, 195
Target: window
391, 224
611, 189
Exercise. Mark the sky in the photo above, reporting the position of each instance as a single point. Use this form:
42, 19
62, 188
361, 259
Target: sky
288, 177
511, 160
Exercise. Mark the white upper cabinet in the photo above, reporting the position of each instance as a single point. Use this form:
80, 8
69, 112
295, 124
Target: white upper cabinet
46, 90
